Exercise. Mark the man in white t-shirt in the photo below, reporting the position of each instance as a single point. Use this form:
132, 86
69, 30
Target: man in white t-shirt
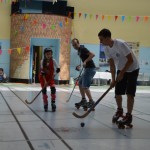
124, 69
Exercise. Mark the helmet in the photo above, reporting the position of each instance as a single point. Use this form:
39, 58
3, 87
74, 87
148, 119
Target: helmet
47, 50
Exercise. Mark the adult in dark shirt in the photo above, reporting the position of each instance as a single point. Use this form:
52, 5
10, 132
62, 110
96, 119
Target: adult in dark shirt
87, 75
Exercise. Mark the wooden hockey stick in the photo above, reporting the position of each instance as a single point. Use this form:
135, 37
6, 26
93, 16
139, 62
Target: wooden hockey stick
36, 95
95, 104
77, 79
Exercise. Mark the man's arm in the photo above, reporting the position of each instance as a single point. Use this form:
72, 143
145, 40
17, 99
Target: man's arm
127, 65
112, 71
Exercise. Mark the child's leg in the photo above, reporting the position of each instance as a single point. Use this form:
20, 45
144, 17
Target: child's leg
53, 97
45, 99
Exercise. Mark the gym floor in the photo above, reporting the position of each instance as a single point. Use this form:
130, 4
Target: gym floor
28, 127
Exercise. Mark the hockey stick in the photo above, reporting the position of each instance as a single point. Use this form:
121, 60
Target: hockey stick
95, 104
77, 79
36, 95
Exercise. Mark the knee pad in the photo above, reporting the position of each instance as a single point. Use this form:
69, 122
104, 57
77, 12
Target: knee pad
53, 90
44, 91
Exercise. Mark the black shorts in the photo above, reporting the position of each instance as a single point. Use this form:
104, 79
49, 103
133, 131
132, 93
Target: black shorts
128, 84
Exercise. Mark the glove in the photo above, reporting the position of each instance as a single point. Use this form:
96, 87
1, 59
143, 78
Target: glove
57, 70
78, 68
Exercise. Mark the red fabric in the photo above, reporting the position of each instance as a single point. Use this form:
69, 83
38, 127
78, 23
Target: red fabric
49, 73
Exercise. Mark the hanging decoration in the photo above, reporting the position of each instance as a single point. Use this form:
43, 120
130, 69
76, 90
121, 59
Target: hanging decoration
19, 50
116, 17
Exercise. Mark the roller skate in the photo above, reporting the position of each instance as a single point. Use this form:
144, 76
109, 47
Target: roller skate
89, 105
45, 102
125, 122
46, 107
53, 106
81, 103
117, 115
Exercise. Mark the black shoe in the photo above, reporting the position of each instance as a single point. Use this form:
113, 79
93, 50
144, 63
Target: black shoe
46, 107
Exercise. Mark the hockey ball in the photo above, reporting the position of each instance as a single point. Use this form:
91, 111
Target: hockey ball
82, 124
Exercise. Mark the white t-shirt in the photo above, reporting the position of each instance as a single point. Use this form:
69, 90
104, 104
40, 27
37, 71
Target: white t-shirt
118, 53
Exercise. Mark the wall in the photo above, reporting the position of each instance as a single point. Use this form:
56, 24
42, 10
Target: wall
86, 29
27, 26
5, 36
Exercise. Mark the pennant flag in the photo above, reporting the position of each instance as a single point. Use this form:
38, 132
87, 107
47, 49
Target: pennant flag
16, 32
22, 28
43, 25
27, 48
25, 17
129, 18
34, 22
96, 17
91, 16
19, 50
0, 51
66, 20
123, 18
145, 18
85, 15
53, 27
109, 18
116, 17
61, 24
103, 17
9, 51
80, 15
137, 18
69, 14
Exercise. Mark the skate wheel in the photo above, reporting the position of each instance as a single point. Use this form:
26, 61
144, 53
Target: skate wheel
85, 109
77, 107
121, 126
129, 126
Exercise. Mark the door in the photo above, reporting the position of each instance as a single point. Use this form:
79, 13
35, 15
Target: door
37, 56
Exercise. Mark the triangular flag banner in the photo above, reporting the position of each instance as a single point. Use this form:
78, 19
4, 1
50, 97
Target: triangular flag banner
85, 15
129, 18
66, 20
96, 17
123, 18
19, 50
53, 27
69, 14
27, 48
137, 18
80, 15
43, 25
91, 16
61, 24
103, 17
109, 18
145, 18
0, 51
116, 17
9, 51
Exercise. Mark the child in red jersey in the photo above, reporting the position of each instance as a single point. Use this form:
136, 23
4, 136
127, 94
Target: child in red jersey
46, 77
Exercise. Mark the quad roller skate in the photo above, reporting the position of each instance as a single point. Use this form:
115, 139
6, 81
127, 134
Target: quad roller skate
89, 105
53, 106
117, 115
81, 103
46, 107
125, 122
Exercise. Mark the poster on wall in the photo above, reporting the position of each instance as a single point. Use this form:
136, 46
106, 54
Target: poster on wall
102, 58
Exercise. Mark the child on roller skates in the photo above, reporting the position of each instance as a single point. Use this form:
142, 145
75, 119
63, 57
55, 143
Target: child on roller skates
46, 77
121, 56
86, 78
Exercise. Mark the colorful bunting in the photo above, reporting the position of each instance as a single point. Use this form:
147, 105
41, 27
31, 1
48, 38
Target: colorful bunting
0, 51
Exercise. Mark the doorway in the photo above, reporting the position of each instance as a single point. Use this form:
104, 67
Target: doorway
37, 56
